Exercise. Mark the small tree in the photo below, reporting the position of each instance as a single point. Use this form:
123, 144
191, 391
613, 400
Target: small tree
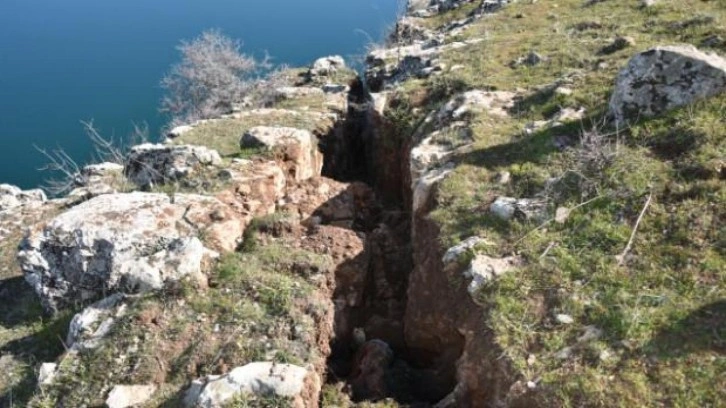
212, 76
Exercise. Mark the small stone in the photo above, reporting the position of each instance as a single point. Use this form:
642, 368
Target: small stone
529, 60
620, 43
504, 207
483, 269
564, 354
713, 41
564, 319
561, 90
507, 208
128, 396
504, 177
326, 66
179, 131
591, 333
47, 373
334, 88
562, 214
454, 253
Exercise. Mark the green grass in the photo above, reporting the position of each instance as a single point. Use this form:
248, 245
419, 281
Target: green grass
662, 311
224, 135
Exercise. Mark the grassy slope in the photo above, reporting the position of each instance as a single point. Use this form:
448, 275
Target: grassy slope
663, 312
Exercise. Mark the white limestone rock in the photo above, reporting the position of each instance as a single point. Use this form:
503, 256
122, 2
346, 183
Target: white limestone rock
91, 325
301, 148
12, 197
129, 396
131, 242
327, 65
454, 253
664, 78
424, 185
262, 378
179, 131
484, 269
47, 373
507, 208
494, 103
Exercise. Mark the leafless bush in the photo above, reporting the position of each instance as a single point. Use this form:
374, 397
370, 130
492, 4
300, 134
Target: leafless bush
68, 174
589, 161
264, 91
212, 76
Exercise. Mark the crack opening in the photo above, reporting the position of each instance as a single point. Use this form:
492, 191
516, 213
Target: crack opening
369, 351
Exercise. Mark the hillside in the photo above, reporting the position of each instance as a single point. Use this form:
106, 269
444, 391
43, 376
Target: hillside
518, 203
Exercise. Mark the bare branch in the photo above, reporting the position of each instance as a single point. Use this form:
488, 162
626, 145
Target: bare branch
621, 257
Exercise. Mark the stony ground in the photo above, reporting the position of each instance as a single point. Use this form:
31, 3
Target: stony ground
484, 225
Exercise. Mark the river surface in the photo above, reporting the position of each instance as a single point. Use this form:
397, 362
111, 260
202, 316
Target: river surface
62, 62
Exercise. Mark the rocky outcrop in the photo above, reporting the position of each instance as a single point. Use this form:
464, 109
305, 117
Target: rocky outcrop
151, 164
665, 78
265, 379
13, 197
124, 242
296, 148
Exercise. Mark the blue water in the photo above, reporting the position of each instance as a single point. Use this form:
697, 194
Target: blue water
66, 61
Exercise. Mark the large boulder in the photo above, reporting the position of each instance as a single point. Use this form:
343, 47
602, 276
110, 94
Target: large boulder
124, 242
283, 380
297, 148
13, 197
664, 78
150, 164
